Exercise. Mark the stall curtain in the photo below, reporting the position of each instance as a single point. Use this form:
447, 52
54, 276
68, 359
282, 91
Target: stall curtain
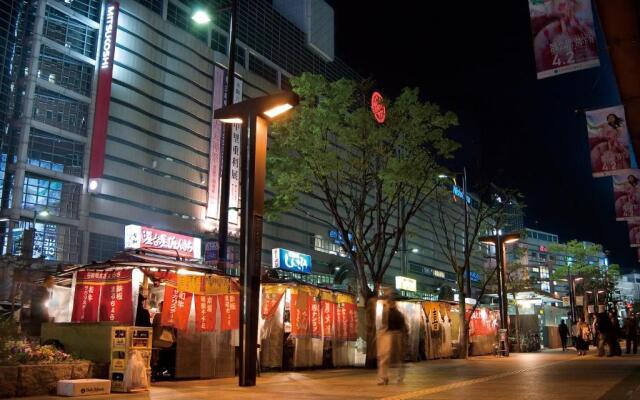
206, 310
438, 330
271, 297
176, 306
328, 312
346, 318
103, 296
299, 311
229, 311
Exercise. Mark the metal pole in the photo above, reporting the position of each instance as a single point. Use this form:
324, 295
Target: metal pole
252, 183
571, 302
466, 228
501, 294
503, 285
223, 225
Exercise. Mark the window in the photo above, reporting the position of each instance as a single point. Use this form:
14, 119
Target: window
153, 5
544, 272
219, 41
182, 19
70, 33
545, 286
57, 110
55, 153
262, 69
103, 247
75, 75
57, 197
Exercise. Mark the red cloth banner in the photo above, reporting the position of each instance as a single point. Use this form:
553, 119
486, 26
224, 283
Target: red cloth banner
328, 311
316, 323
176, 308
341, 322
206, 308
116, 304
86, 297
351, 319
299, 313
103, 93
271, 297
229, 311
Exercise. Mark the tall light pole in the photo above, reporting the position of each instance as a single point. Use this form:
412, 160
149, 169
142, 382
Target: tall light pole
574, 310
254, 115
500, 240
223, 222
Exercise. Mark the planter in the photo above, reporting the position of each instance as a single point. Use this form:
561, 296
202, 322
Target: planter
33, 380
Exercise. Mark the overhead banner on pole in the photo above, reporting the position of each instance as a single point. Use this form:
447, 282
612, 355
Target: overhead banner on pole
634, 233
609, 144
626, 191
564, 38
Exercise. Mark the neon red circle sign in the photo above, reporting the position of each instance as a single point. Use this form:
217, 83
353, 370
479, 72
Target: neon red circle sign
377, 107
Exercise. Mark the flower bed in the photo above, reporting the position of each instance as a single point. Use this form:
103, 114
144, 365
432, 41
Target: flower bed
29, 369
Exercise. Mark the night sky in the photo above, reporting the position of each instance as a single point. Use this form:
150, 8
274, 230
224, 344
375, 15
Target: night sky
476, 59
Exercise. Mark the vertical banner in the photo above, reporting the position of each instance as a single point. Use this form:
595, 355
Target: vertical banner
229, 311
316, 323
626, 191
341, 322
271, 296
328, 311
216, 146
182, 310
176, 306
634, 233
103, 93
299, 313
564, 38
116, 304
86, 297
206, 308
351, 310
609, 145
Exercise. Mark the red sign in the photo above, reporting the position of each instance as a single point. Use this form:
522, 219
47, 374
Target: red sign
351, 318
86, 297
136, 237
378, 108
316, 324
483, 322
300, 314
328, 315
103, 93
341, 322
176, 308
116, 304
206, 307
229, 311
270, 299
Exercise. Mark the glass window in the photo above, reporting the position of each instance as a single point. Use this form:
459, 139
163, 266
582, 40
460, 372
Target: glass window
58, 198
55, 153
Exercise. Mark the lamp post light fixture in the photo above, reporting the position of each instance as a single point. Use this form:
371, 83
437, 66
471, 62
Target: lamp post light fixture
500, 240
573, 293
254, 114
201, 17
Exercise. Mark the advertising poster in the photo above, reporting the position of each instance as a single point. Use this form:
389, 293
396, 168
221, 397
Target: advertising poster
564, 38
634, 233
116, 304
626, 191
609, 145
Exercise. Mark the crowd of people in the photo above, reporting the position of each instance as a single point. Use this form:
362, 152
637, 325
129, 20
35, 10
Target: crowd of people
603, 331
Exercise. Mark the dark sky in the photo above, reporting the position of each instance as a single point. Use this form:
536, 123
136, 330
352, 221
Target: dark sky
476, 59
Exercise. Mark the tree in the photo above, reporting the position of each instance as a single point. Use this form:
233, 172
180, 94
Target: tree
518, 280
371, 178
458, 241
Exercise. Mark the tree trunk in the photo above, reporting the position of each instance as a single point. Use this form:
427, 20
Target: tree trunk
370, 329
463, 335
515, 305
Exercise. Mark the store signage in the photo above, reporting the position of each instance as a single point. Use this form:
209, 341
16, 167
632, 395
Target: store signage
103, 92
291, 261
429, 271
338, 238
475, 277
566, 301
141, 237
458, 192
404, 283
378, 108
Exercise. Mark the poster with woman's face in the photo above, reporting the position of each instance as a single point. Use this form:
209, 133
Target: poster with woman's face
626, 191
608, 141
634, 233
564, 39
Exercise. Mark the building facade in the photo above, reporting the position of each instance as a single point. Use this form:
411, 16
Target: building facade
158, 150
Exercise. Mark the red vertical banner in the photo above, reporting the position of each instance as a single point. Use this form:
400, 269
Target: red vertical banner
116, 304
229, 311
183, 308
328, 311
86, 297
351, 311
341, 322
170, 301
103, 93
206, 307
299, 313
316, 323
271, 296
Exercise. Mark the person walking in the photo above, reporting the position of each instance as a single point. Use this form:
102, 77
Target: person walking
563, 331
583, 334
391, 347
603, 327
631, 333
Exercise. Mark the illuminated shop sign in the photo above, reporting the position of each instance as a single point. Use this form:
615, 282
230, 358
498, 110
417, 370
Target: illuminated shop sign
404, 283
142, 237
291, 261
458, 192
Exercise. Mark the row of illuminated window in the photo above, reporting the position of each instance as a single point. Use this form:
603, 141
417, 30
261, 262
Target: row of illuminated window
63, 112
69, 32
52, 242
57, 197
542, 236
65, 71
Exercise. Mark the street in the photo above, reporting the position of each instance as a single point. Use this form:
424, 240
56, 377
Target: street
529, 376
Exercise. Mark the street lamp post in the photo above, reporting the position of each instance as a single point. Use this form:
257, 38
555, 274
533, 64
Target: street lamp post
574, 310
500, 240
223, 221
254, 115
